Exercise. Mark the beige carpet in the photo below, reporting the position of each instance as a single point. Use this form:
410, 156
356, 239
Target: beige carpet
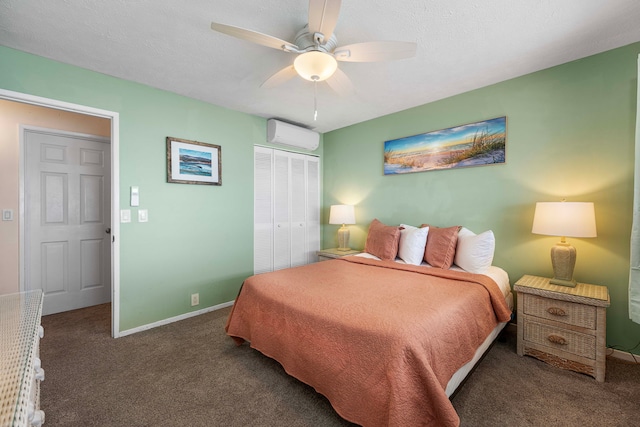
190, 373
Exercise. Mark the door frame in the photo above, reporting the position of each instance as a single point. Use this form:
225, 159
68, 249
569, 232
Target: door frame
114, 117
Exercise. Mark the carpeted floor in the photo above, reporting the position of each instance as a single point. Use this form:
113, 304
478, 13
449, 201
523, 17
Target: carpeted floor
190, 373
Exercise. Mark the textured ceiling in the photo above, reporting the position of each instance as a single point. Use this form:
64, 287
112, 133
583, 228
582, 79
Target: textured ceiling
462, 45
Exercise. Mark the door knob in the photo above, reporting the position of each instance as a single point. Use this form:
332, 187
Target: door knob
108, 231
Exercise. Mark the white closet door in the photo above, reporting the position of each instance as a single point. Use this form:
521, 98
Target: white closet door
313, 209
298, 211
281, 230
263, 210
286, 209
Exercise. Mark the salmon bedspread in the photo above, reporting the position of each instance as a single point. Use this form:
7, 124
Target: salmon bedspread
379, 339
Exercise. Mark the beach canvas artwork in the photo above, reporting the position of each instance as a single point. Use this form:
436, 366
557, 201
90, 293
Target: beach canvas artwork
473, 144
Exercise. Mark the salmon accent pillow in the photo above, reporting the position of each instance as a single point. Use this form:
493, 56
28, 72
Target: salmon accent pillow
382, 240
440, 250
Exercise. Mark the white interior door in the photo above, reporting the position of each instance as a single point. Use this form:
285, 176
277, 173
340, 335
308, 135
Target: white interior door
67, 218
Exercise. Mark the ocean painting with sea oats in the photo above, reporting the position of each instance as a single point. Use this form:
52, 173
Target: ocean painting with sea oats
194, 162
474, 144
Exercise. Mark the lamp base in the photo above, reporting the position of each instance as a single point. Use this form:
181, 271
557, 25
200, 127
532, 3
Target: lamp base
343, 239
563, 259
560, 282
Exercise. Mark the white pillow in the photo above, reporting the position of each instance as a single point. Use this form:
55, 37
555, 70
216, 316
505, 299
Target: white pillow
412, 243
474, 252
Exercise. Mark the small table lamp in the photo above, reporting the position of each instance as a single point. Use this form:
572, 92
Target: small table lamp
564, 219
342, 214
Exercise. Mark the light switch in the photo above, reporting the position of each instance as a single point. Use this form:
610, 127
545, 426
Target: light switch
7, 214
135, 196
125, 215
143, 215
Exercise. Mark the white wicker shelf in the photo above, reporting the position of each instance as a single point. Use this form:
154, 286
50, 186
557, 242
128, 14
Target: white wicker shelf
20, 371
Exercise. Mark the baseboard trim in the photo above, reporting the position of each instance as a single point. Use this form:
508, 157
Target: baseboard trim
623, 355
173, 319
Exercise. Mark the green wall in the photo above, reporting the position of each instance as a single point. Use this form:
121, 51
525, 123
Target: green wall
198, 238
570, 134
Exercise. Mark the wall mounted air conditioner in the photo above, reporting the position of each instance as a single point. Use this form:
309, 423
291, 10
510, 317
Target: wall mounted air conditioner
285, 133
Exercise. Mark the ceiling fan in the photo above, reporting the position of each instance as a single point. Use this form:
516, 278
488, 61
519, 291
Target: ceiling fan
317, 48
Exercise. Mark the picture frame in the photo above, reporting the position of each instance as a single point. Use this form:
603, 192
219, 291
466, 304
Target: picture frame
193, 162
474, 144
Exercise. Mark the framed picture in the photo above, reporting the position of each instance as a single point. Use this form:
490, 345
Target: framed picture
193, 162
474, 144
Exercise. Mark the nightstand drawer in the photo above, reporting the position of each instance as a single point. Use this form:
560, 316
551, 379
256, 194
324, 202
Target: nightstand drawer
561, 311
561, 339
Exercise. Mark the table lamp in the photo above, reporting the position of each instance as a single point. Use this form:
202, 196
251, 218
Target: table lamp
564, 219
342, 214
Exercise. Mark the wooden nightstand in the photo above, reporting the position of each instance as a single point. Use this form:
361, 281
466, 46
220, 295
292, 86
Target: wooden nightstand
565, 327
333, 253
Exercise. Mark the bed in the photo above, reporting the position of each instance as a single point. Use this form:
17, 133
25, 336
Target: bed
386, 342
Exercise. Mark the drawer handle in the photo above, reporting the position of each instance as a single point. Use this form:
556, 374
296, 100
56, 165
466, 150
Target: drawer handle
556, 311
556, 339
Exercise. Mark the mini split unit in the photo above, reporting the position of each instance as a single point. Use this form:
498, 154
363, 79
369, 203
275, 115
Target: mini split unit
295, 136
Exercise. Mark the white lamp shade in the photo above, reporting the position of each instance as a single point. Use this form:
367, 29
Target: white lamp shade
315, 65
342, 214
567, 219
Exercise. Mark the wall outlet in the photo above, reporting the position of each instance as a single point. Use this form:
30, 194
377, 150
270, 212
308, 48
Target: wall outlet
195, 299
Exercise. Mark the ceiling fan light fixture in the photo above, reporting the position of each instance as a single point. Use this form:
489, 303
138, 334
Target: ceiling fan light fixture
315, 65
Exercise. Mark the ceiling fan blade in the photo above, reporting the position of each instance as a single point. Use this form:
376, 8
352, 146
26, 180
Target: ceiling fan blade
375, 51
340, 83
323, 16
282, 76
252, 36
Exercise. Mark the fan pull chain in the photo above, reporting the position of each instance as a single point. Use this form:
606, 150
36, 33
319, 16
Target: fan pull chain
315, 100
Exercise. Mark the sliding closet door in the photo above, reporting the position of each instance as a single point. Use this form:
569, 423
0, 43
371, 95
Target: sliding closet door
286, 209
262, 210
313, 208
298, 211
282, 226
